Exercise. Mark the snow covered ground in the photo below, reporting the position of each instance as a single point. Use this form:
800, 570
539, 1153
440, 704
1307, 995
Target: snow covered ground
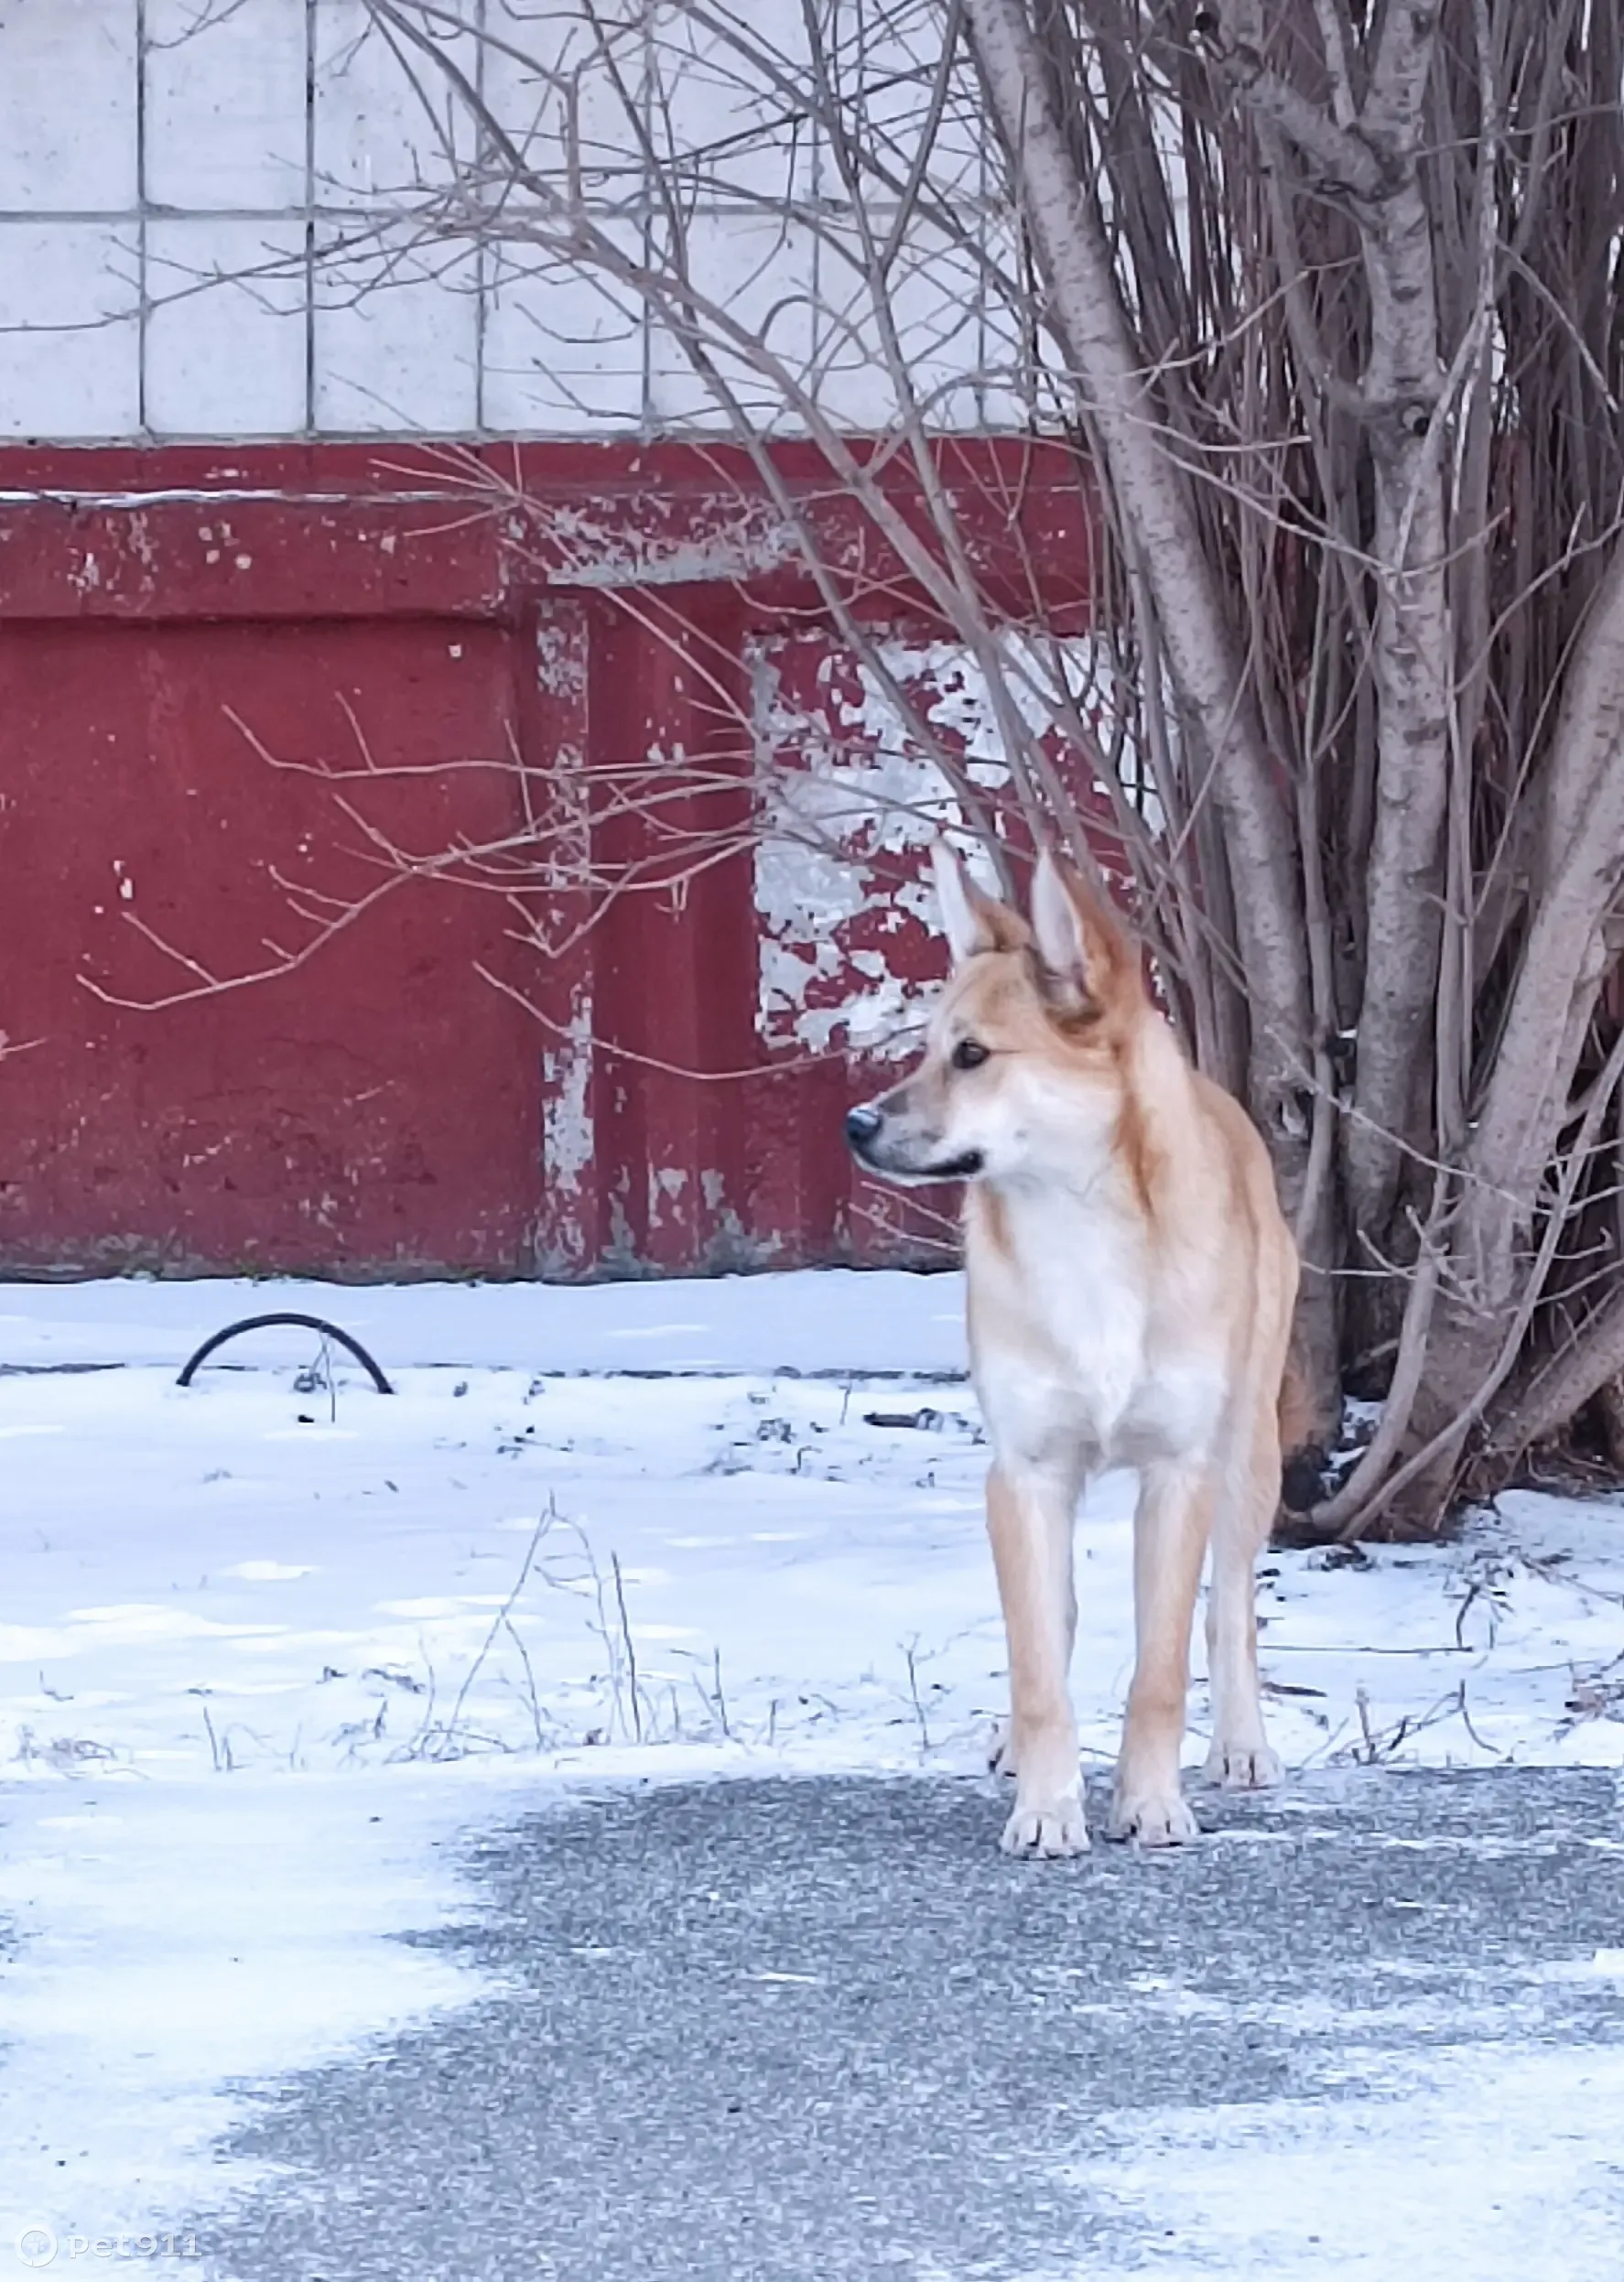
270, 1644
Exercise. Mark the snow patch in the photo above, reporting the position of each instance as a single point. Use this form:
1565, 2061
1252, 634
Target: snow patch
232, 1640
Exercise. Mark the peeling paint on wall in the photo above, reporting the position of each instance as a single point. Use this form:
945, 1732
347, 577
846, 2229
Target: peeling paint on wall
851, 800
590, 550
566, 1110
560, 652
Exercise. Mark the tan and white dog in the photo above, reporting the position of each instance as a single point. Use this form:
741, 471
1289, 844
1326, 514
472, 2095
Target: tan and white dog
1131, 1283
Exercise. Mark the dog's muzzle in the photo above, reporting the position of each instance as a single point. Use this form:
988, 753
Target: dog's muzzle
864, 1126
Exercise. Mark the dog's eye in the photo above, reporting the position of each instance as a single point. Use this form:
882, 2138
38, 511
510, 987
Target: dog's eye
968, 1054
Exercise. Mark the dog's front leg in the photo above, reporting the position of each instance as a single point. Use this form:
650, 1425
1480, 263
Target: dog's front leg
1170, 1532
1029, 1518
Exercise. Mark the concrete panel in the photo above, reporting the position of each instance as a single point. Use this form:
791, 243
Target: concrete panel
226, 339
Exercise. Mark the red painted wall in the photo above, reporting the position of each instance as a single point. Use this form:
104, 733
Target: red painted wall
175, 624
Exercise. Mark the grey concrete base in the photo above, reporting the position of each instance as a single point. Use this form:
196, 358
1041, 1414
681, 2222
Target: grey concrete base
813, 2029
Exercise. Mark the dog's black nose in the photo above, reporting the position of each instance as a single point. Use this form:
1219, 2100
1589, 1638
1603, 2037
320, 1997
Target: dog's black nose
862, 1123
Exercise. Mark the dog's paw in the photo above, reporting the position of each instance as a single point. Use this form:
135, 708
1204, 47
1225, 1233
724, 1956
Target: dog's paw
1243, 1766
1152, 1818
1046, 1830
1001, 1749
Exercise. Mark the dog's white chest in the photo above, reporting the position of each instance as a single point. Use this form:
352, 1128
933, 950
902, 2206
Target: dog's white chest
1090, 1303
1061, 1319
1064, 1355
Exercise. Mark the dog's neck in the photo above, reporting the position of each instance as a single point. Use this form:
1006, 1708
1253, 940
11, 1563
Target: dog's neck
1107, 1189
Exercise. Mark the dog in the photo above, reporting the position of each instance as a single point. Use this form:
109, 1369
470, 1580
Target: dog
1131, 1283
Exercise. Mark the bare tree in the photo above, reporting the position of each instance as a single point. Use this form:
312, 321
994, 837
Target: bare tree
1320, 302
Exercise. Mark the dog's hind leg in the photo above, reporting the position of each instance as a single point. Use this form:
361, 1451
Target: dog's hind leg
1030, 1514
1170, 1532
1240, 1758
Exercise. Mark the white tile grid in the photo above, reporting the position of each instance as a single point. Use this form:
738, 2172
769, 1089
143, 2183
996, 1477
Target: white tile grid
387, 123
561, 89
67, 123
69, 329
225, 327
225, 108
563, 348
241, 268
758, 273
397, 334
730, 132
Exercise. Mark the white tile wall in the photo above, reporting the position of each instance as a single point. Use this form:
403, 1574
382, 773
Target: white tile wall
69, 336
563, 351
546, 75
203, 223
730, 130
68, 107
1008, 389
396, 335
226, 106
854, 378
225, 329
894, 54
387, 123
757, 272
939, 308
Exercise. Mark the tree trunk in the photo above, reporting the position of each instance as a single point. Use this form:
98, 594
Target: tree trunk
1086, 311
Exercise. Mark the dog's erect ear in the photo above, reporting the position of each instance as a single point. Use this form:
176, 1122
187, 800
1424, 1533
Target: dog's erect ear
972, 920
1079, 944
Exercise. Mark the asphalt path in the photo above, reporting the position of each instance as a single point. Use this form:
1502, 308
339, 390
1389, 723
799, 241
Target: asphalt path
808, 2029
